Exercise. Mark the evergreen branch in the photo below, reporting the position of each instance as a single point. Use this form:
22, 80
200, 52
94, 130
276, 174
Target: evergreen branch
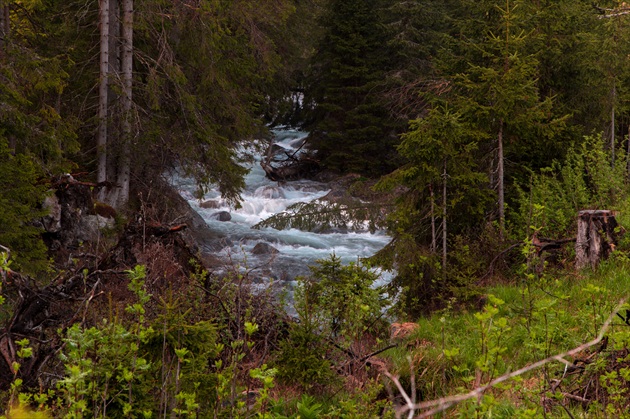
321, 215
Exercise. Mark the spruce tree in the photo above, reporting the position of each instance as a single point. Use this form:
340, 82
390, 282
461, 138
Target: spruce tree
499, 93
351, 128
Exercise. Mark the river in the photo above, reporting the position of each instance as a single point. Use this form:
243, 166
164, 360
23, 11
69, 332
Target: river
297, 249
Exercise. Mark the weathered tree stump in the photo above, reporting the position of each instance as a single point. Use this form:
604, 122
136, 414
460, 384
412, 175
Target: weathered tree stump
595, 237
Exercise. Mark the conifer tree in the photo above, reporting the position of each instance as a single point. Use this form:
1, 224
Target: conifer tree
351, 129
499, 92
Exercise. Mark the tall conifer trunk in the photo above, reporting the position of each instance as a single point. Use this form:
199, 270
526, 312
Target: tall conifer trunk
612, 127
5, 26
433, 234
124, 165
444, 230
500, 181
101, 142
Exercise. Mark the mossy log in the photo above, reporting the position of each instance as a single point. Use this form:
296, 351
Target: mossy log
596, 237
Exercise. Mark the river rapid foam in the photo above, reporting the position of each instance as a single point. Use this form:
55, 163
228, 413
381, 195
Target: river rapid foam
262, 198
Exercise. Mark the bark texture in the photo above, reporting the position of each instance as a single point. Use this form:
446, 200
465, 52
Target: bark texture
595, 237
101, 141
124, 166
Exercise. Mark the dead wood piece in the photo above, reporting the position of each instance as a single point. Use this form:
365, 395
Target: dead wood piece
596, 237
576, 398
544, 244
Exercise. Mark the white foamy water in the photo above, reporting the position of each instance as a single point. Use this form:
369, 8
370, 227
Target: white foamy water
263, 198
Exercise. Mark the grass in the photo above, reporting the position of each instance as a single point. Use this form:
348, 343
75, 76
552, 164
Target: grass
454, 352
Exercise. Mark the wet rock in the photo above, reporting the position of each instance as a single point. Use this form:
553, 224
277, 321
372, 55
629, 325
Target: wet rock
90, 227
210, 261
222, 216
264, 249
52, 221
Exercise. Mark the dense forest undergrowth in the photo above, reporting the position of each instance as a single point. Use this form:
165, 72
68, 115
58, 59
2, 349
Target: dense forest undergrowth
472, 131
135, 326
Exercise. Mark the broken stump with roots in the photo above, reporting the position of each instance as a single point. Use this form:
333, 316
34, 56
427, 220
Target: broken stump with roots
596, 237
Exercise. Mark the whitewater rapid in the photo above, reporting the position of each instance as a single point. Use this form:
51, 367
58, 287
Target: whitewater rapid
262, 198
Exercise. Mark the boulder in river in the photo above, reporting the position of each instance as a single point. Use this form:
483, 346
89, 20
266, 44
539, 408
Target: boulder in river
210, 261
222, 216
263, 248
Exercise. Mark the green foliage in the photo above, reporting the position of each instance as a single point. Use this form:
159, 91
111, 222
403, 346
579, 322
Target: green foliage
136, 370
337, 306
21, 196
342, 300
32, 82
107, 371
301, 359
585, 180
439, 151
308, 408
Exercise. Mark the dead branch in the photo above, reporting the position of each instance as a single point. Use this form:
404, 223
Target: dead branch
491, 266
431, 407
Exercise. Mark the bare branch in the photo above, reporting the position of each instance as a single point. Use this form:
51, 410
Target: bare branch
432, 407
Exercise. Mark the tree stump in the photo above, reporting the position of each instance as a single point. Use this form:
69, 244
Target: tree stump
595, 237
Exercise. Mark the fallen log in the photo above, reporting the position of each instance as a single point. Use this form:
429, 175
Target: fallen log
294, 166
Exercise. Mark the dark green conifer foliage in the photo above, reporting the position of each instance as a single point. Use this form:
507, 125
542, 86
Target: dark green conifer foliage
566, 36
417, 32
35, 139
32, 81
499, 94
351, 130
447, 195
20, 197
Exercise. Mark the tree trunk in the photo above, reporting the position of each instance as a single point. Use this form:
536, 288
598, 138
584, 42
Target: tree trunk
612, 128
444, 231
5, 26
433, 236
500, 181
113, 103
595, 237
124, 165
101, 142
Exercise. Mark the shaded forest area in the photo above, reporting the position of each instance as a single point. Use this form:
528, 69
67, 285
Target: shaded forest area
477, 130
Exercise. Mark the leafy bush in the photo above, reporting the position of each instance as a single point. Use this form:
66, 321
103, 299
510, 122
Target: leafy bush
338, 309
585, 180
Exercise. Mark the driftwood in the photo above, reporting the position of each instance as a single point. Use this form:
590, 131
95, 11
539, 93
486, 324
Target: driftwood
596, 237
292, 167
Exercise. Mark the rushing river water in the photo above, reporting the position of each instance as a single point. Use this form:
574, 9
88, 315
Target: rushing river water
263, 198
